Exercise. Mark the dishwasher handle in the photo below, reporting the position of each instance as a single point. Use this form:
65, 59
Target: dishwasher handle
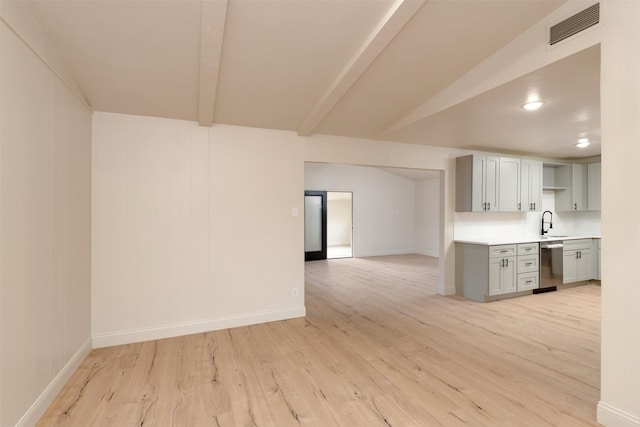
551, 246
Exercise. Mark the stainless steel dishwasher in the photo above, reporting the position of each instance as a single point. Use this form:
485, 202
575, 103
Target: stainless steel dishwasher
551, 270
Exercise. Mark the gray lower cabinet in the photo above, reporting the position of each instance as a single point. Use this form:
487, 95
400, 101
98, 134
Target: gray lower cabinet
528, 266
502, 275
577, 262
485, 272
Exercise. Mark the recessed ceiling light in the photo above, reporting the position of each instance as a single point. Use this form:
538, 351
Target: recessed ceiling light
583, 142
533, 105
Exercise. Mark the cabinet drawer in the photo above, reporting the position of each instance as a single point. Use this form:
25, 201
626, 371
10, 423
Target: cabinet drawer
527, 264
528, 281
502, 251
577, 244
527, 248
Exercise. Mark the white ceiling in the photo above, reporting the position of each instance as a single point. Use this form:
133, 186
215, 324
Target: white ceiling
341, 67
495, 121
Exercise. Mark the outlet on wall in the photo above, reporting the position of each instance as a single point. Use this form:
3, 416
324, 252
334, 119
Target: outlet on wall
294, 292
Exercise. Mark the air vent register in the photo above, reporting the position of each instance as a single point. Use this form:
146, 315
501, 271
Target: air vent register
575, 24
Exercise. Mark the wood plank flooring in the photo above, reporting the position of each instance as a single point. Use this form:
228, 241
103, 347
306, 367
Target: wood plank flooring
378, 348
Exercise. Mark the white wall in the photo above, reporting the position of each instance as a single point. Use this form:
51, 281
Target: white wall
192, 228
339, 221
620, 97
427, 231
497, 225
383, 205
45, 197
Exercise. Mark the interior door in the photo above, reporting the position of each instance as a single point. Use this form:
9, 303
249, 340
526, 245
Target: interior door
315, 225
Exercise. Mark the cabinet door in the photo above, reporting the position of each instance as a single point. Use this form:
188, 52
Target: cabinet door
583, 265
535, 185
502, 275
574, 178
492, 182
478, 183
509, 188
569, 266
509, 278
594, 188
579, 187
495, 270
525, 178
530, 185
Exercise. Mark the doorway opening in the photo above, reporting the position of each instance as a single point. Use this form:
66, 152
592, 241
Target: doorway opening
315, 225
339, 224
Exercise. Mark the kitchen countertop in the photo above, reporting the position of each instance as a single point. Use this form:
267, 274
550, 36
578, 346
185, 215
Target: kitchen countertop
522, 239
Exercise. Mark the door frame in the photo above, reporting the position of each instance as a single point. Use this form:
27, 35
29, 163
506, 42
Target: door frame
321, 254
351, 237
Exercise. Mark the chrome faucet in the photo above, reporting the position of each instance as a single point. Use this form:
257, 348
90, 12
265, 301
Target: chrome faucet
550, 222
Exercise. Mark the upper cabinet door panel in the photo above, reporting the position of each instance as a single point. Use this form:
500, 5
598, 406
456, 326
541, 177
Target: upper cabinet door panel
509, 188
478, 183
535, 185
492, 183
594, 189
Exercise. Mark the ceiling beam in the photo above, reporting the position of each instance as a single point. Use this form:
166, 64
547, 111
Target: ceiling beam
389, 26
502, 66
212, 23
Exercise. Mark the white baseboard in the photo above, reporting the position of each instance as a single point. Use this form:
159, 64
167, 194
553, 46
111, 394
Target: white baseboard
169, 331
613, 417
383, 253
397, 252
35, 412
428, 252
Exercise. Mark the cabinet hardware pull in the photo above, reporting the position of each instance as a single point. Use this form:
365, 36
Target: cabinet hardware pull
507, 259
534, 206
519, 206
575, 206
529, 281
530, 206
489, 206
528, 263
504, 251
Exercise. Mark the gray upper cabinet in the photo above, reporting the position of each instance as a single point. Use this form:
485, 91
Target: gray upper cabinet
486, 183
530, 185
477, 182
509, 188
492, 183
574, 178
593, 186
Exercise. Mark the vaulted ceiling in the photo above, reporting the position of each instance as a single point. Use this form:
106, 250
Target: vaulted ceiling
340, 67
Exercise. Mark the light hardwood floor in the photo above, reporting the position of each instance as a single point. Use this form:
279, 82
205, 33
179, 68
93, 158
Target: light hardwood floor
378, 348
